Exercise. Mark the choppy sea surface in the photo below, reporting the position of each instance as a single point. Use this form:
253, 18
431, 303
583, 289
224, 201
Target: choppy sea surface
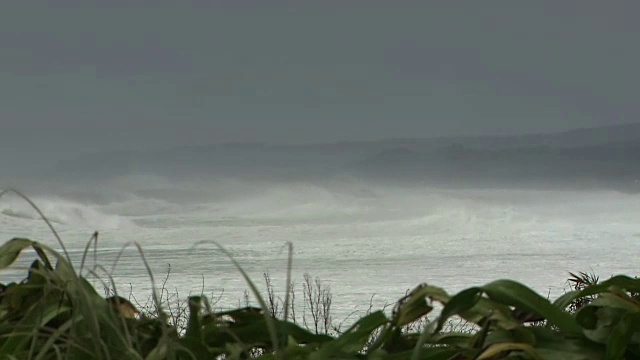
367, 242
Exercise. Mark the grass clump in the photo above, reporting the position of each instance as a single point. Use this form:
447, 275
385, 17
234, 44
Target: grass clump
56, 313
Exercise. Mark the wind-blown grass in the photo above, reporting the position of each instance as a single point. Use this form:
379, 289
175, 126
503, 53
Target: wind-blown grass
55, 313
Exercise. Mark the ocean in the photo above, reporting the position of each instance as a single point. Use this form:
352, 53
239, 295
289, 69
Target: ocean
369, 243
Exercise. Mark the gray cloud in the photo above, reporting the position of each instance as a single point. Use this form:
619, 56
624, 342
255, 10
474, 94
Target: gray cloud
99, 75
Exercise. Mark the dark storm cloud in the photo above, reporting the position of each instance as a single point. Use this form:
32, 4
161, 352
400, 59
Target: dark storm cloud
119, 74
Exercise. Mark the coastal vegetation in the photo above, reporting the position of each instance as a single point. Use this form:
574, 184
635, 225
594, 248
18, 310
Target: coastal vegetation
56, 313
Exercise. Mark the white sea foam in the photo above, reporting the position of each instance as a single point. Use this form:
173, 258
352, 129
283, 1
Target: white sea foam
58, 211
360, 238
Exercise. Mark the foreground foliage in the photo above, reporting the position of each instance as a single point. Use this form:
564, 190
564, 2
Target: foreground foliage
56, 313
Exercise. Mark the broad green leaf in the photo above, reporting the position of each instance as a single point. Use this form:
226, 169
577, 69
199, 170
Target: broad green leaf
159, 352
43, 255
566, 354
303, 336
616, 300
515, 294
44, 312
606, 320
479, 338
354, 339
566, 299
615, 285
452, 339
621, 335
461, 302
520, 335
483, 309
619, 281
496, 349
193, 349
253, 333
411, 308
554, 345
10, 251
587, 317
432, 353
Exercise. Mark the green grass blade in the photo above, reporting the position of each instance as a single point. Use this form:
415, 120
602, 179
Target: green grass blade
94, 240
45, 350
43, 217
263, 305
288, 285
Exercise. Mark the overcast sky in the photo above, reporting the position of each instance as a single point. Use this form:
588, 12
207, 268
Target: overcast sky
117, 74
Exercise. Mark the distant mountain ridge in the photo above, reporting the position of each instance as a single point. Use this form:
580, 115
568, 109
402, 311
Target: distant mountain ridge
614, 165
606, 153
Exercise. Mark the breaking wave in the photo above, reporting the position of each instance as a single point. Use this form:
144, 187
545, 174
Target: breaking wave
59, 211
149, 199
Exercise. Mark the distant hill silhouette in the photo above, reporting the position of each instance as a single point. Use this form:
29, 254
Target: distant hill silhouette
610, 165
600, 155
